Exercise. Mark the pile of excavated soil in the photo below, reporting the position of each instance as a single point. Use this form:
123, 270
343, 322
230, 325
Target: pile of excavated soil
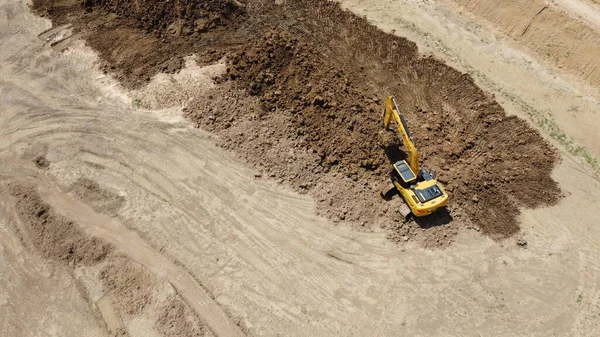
54, 236
303, 99
129, 284
136, 40
176, 319
174, 18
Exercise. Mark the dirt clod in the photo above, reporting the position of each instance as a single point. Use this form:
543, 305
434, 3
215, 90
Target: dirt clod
41, 162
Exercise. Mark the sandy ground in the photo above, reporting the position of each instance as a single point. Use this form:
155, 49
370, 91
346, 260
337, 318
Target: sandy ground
246, 254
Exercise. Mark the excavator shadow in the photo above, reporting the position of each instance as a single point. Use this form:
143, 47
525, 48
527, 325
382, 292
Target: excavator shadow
394, 154
388, 192
440, 217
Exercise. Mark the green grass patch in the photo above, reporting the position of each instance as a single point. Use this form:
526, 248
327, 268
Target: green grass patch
137, 102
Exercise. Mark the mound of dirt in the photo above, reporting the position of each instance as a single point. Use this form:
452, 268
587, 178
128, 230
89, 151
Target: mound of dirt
303, 99
41, 162
52, 235
492, 164
136, 40
176, 319
320, 101
130, 284
100, 199
168, 18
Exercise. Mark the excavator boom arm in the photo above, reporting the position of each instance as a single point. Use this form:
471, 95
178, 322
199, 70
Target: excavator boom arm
393, 113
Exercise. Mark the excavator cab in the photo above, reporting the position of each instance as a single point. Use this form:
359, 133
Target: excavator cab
406, 175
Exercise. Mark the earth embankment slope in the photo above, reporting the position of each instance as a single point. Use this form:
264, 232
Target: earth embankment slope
553, 31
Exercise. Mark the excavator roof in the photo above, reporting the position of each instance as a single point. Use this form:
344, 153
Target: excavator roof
428, 193
404, 171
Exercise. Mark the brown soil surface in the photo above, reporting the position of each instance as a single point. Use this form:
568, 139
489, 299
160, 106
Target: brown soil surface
52, 235
176, 319
136, 40
129, 284
303, 100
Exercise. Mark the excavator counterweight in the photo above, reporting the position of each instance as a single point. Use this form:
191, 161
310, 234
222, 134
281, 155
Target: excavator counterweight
421, 192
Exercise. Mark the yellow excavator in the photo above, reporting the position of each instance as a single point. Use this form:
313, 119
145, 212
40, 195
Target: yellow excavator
421, 192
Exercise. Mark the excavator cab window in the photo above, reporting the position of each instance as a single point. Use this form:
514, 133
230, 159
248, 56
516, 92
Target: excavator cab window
429, 193
398, 179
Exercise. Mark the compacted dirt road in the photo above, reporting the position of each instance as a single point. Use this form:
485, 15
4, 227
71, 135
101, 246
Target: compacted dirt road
117, 219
